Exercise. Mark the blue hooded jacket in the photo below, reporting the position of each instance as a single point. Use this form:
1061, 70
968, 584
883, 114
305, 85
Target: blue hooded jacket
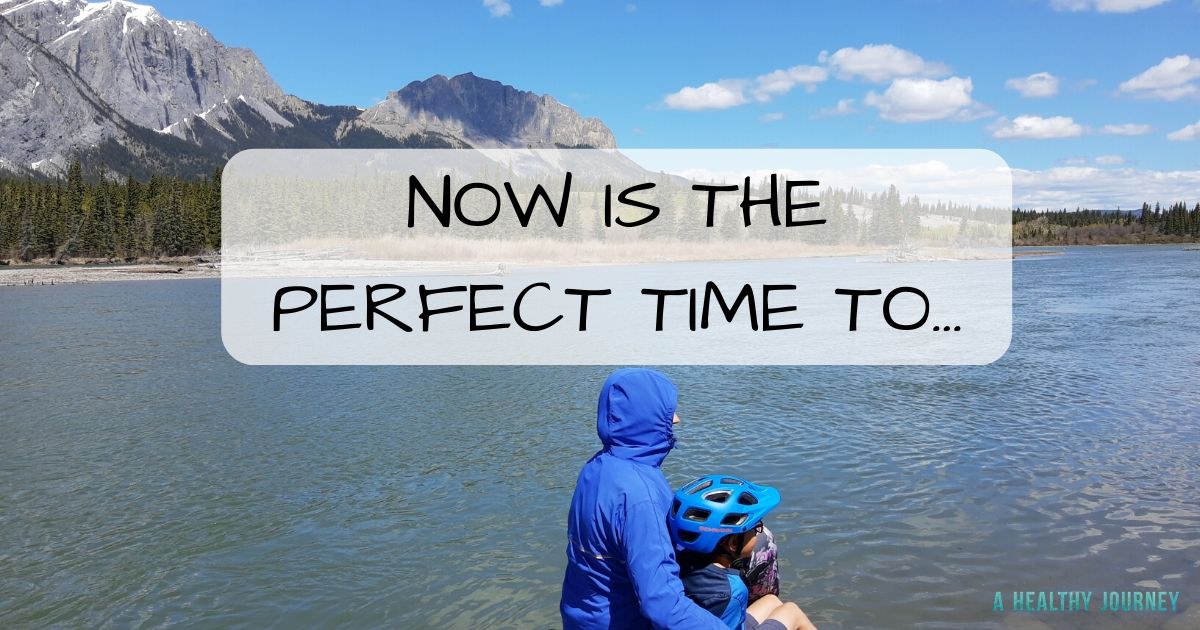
621, 568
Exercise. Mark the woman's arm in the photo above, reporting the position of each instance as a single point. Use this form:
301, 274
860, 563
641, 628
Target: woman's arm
650, 556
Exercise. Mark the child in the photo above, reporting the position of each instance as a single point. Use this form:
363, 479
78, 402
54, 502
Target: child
715, 520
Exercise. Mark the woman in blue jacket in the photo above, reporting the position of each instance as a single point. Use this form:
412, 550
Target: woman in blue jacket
621, 568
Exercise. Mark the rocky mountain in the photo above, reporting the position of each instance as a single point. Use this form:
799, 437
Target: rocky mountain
482, 112
171, 77
46, 111
117, 82
154, 71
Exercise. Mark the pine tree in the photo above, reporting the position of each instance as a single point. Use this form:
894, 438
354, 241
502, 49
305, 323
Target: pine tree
212, 208
72, 212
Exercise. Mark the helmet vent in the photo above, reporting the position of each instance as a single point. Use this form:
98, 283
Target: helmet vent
675, 507
734, 519
696, 514
707, 483
732, 481
747, 499
688, 537
717, 496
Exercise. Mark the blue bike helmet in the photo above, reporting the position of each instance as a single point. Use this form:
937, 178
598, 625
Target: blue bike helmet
714, 506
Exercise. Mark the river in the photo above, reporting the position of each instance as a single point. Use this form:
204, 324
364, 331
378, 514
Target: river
148, 479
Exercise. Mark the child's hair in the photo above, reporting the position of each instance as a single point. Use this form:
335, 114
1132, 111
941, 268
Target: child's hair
714, 506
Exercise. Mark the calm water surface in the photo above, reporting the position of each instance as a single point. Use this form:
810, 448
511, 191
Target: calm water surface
147, 479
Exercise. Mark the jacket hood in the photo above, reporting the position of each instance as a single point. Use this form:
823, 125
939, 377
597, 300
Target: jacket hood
633, 417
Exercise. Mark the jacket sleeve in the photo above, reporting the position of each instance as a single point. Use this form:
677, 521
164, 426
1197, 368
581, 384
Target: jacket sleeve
654, 573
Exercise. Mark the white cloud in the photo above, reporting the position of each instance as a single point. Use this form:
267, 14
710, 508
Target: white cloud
921, 100
1036, 127
772, 84
716, 95
1038, 85
1076, 161
1128, 129
550, 3
771, 117
728, 93
844, 107
498, 8
1104, 6
1190, 132
879, 63
1093, 187
1109, 160
1172, 79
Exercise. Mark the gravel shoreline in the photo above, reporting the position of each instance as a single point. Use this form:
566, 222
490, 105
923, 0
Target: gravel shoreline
50, 275
16, 276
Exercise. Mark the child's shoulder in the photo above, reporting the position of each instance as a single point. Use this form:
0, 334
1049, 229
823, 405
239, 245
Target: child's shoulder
718, 590
712, 583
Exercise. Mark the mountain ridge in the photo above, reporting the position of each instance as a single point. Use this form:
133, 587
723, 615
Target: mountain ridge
47, 95
154, 88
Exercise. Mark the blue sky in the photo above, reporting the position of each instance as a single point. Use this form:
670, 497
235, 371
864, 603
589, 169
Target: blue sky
908, 74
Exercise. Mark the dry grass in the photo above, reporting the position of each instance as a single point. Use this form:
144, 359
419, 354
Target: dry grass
545, 251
